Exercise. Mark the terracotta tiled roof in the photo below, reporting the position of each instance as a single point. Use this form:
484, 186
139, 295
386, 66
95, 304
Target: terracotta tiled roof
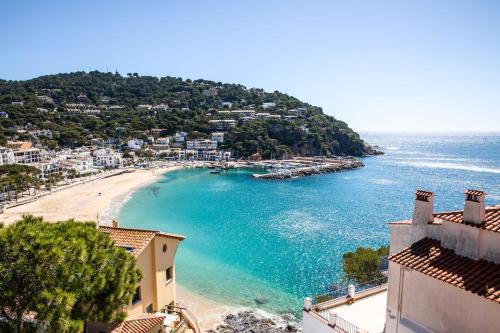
480, 277
142, 323
134, 240
491, 221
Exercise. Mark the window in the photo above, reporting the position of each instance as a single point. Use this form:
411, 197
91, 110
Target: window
149, 309
168, 274
137, 295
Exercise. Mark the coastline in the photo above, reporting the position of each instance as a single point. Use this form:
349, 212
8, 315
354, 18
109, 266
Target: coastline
82, 202
101, 198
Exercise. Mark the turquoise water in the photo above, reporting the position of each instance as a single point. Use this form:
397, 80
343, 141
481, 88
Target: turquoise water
284, 240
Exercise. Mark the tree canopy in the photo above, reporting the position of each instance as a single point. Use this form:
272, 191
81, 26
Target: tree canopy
57, 276
190, 109
363, 264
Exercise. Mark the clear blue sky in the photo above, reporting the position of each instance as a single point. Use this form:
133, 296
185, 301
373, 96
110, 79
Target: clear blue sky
379, 65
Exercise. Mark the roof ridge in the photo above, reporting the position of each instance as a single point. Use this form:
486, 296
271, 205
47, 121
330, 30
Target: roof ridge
128, 229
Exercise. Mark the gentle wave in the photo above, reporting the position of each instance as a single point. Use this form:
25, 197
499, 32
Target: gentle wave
451, 166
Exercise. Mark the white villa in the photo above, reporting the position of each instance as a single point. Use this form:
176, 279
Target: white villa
222, 124
443, 276
201, 144
107, 158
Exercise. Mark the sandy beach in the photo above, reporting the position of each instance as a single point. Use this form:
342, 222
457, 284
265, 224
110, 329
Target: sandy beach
82, 202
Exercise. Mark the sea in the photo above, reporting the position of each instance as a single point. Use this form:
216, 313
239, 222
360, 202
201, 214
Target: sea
268, 244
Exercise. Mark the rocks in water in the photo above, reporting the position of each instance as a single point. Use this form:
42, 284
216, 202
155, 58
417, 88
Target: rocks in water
332, 165
261, 300
257, 322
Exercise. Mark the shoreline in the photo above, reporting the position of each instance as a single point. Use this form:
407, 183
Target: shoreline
82, 202
99, 199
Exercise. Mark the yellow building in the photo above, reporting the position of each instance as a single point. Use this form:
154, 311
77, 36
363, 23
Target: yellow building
153, 308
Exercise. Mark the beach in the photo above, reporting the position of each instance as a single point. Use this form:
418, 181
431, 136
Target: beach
83, 202
89, 201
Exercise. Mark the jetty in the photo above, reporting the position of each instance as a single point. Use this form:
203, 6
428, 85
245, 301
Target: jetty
300, 167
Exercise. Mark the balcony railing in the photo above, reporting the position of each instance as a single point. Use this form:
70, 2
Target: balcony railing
187, 318
343, 290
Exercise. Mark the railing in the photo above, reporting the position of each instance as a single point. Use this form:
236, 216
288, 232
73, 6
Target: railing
342, 290
186, 316
345, 326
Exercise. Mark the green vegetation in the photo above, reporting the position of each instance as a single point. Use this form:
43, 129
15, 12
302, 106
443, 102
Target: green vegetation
61, 275
188, 110
363, 264
18, 178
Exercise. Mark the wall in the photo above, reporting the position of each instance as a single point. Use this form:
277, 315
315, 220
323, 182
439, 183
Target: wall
165, 290
312, 324
432, 305
403, 234
462, 238
146, 264
489, 246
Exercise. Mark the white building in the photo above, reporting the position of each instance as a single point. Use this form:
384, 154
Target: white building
135, 144
243, 113
180, 137
6, 156
80, 165
201, 144
217, 136
43, 132
226, 105
443, 276
299, 112
4, 114
186, 154
262, 115
222, 124
48, 168
107, 158
161, 144
26, 156
444, 268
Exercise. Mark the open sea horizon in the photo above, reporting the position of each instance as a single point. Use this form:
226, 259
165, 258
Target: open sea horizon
280, 241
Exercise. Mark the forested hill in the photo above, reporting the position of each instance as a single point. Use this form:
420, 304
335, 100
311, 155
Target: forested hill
122, 102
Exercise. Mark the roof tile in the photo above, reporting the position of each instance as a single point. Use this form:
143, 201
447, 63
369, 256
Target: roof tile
480, 277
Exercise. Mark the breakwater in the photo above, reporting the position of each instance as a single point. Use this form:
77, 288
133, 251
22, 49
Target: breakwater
301, 168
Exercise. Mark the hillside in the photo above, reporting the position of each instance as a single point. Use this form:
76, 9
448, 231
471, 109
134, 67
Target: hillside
121, 105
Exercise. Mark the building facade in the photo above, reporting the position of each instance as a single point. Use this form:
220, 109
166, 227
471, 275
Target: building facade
444, 268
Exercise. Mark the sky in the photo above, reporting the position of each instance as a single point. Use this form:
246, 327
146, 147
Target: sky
378, 65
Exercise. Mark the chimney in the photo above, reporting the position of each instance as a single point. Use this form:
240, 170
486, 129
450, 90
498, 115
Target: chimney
424, 207
474, 211
114, 223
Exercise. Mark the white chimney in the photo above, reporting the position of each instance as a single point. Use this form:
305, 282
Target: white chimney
474, 211
114, 223
424, 207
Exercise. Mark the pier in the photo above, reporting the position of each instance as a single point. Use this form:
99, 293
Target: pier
301, 167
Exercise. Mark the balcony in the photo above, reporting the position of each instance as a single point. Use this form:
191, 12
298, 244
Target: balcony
361, 311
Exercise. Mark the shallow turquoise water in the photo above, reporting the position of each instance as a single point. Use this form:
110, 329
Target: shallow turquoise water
284, 240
